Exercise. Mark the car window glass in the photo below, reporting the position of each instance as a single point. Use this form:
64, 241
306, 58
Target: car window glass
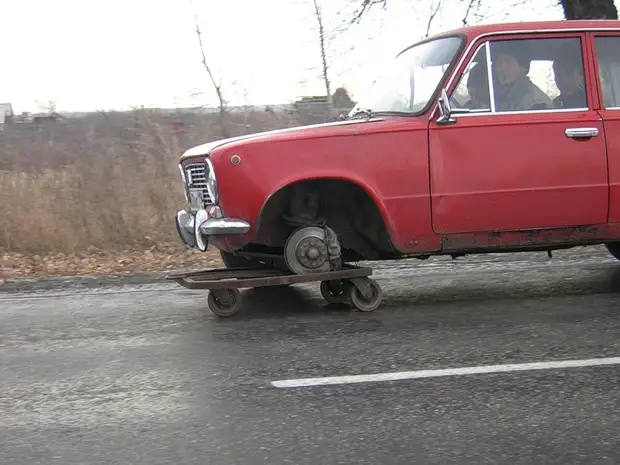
609, 69
527, 75
472, 91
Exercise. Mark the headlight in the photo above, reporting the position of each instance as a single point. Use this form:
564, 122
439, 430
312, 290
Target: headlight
184, 180
211, 181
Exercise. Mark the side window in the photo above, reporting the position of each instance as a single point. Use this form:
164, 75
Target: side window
609, 70
472, 91
525, 75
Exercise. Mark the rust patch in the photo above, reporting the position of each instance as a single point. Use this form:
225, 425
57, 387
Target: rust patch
530, 238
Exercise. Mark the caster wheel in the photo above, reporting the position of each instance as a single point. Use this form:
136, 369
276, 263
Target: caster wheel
334, 292
364, 303
224, 302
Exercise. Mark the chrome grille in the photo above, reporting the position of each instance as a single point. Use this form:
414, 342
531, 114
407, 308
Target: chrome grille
196, 175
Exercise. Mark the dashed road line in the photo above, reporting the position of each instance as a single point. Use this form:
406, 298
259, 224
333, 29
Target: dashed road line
463, 371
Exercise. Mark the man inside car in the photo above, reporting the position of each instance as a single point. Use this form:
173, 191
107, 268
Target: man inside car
568, 75
515, 91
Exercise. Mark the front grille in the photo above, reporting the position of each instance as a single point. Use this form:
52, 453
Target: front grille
196, 175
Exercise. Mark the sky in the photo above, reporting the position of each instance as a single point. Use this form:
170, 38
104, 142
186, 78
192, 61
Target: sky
96, 55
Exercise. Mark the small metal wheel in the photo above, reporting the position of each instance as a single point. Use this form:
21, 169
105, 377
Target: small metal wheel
334, 292
369, 302
224, 302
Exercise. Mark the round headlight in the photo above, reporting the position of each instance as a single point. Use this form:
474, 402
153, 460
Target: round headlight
211, 182
184, 180
212, 190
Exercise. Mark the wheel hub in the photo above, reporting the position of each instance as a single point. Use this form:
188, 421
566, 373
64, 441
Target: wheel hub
306, 251
311, 252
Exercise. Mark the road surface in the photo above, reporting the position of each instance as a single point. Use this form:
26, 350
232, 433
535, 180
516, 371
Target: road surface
144, 375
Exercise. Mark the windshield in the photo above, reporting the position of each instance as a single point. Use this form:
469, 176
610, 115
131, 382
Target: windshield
410, 82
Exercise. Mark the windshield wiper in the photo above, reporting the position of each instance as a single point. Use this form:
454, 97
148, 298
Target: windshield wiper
362, 111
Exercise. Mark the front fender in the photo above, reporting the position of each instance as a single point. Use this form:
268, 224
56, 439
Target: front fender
333, 175
389, 163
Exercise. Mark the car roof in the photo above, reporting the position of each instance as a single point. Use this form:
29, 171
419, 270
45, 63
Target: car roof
530, 26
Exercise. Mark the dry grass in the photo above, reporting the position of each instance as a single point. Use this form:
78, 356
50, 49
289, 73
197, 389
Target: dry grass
121, 197
80, 195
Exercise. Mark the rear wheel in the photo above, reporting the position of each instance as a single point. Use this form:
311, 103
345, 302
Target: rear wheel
614, 249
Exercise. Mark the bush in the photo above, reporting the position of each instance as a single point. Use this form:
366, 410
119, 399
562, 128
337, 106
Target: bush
105, 181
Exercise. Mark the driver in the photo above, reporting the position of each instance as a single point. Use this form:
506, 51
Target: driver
515, 90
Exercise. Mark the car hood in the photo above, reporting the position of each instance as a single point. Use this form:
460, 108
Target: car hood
298, 131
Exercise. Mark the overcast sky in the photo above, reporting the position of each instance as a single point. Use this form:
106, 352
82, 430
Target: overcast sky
90, 55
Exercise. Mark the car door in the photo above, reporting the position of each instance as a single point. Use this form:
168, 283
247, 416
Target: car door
607, 72
512, 167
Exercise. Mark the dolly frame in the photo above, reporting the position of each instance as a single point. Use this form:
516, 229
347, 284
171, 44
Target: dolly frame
351, 284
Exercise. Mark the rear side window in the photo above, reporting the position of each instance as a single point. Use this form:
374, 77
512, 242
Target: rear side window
609, 70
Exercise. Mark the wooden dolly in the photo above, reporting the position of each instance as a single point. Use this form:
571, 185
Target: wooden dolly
351, 285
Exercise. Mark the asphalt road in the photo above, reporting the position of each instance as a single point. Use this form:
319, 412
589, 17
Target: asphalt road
145, 375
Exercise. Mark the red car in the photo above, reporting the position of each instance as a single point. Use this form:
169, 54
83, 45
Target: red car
495, 138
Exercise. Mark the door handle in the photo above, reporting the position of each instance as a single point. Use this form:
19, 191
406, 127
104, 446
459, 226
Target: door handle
578, 133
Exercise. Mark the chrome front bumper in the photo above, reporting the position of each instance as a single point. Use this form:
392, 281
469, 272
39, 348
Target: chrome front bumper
195, 229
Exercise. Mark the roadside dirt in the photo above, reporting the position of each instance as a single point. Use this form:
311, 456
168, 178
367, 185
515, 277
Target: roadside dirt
16, 266
96, 263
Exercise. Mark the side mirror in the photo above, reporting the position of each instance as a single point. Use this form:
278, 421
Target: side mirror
445, 110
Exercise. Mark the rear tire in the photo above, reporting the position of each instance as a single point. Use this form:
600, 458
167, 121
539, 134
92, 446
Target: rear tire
614, 249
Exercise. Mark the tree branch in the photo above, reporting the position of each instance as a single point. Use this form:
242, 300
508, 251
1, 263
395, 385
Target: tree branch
473, 7
319, 19
431, 18
365, 7
217, 86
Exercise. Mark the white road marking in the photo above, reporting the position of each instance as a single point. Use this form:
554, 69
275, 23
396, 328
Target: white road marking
464, 371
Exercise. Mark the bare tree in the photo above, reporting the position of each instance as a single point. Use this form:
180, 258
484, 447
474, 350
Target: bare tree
365, 7
217, 85
573, 9
318, 14
589, 9
472, 9
330, 27
435, 7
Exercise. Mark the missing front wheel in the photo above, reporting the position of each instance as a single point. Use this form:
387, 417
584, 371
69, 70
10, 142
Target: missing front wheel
312, 249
